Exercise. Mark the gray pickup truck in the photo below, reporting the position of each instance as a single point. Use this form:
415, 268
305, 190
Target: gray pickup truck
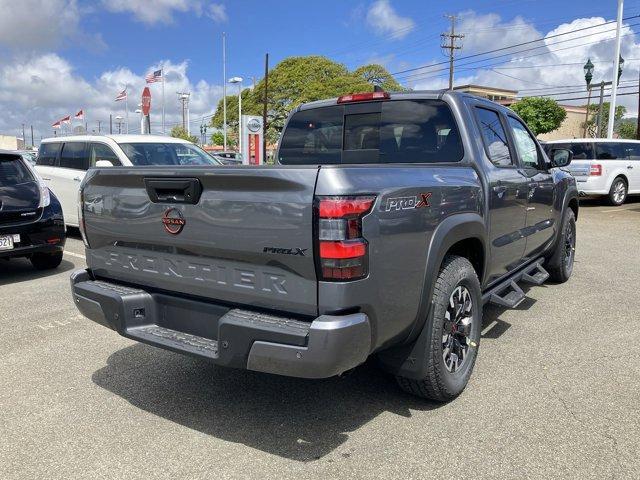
388, 223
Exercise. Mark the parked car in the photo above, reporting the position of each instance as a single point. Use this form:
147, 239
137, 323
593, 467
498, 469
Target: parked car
228, 158
63, 161
389, 222
29, 156
31, 221
603, 167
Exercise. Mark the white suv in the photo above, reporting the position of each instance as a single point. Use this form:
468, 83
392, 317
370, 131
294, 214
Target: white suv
603, 167
63, 161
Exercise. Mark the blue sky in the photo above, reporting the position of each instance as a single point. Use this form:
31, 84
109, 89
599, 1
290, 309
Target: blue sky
78, 54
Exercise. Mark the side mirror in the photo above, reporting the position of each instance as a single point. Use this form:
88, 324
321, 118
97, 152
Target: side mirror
104, 163
561, 157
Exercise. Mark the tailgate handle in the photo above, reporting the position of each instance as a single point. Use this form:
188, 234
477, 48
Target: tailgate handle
173, 190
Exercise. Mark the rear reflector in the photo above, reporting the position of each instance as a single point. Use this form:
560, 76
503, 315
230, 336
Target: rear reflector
352, 249
595, 170
363, 97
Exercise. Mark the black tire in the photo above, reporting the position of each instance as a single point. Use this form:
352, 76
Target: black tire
618, 192
441, 383
560, 263
46, 261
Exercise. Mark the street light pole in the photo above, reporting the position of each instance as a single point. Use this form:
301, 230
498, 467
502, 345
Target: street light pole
224, 90
616, 70
238, 80
588, 75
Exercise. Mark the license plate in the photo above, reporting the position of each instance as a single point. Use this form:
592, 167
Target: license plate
6, 242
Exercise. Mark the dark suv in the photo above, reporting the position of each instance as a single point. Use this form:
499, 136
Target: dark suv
31, 222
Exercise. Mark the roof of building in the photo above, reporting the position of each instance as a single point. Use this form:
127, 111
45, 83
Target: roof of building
484, 87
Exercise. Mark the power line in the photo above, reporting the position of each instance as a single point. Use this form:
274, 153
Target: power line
517, 45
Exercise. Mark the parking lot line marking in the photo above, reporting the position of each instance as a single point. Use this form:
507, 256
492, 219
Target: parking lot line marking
75, 255
488, 328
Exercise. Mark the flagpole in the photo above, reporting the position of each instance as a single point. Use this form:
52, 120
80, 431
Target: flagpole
162, 73
126, 108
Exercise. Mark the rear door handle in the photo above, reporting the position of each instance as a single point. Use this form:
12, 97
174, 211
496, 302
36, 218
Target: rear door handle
630, 167
77, 179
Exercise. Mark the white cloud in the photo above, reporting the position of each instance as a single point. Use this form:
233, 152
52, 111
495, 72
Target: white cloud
384, 20
152, 11
42, 24
550, 67
217, 12
43, 88
162, 11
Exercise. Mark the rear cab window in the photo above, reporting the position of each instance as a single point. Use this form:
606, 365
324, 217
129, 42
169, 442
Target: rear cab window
48, 154
393, 131
494, 137
13, 171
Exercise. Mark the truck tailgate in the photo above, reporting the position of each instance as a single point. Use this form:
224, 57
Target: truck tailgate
247, 240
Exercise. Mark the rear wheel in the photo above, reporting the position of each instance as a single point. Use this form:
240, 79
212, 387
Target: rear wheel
618, 192
46, 261
455, 333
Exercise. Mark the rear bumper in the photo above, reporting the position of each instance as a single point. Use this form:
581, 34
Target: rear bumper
45, 235
324, 347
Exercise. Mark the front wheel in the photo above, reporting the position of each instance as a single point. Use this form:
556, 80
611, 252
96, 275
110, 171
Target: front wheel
560, 264
455, 333
618, 192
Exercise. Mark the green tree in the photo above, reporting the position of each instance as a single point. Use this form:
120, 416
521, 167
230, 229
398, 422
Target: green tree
297, 80
627, 129
179, 132
217, 138
594, 108
541, 114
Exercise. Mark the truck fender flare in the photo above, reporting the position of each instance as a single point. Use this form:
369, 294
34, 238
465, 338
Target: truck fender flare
570, 194
404, 359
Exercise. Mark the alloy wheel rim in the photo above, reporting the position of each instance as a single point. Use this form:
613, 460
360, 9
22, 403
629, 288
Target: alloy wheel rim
619, 192
570, 246
456, 332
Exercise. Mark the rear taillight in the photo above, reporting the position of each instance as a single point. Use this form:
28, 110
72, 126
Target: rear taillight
595, 170
342, 250
81, 226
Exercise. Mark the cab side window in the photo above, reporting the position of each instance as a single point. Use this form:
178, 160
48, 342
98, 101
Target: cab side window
48, 154
74, 156
494, 137
100, 151
634, 150
525, 144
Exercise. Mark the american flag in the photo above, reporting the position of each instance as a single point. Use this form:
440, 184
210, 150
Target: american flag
122, 95
154, 77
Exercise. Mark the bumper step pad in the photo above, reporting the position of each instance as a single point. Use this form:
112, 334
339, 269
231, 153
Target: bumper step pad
179, 340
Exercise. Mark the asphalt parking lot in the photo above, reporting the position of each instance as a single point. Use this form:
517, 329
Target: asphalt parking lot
554, 393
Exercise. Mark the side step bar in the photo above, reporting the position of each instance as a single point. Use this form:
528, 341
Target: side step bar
508, 293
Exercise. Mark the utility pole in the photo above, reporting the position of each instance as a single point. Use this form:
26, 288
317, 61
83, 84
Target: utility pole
32, 142
264, 109
616, 69
110, 124
24, 139
599, 134
449, 42
98, 126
